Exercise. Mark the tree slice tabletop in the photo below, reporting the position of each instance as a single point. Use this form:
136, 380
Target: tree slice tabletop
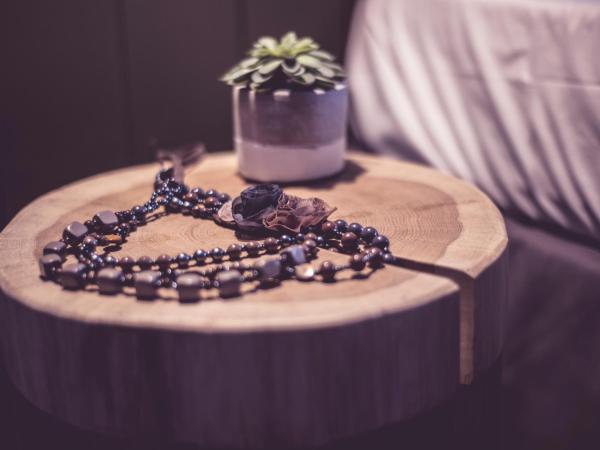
303, 363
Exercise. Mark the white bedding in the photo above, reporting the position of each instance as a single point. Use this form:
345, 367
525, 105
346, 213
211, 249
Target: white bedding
505, 94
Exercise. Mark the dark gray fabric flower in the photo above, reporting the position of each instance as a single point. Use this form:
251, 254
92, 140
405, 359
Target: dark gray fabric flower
266, 207
251, 207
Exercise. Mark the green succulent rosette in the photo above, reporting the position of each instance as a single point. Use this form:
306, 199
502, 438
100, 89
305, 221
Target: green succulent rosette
288, 63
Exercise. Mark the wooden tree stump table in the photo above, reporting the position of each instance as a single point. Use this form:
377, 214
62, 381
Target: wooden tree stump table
302, 364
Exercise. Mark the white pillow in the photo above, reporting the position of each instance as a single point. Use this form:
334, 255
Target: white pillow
505, 94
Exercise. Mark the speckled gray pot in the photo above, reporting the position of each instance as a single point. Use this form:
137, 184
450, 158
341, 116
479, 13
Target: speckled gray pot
290, 135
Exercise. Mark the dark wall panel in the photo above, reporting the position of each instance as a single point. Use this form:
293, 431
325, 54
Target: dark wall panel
324, 20
177, 51
61, 107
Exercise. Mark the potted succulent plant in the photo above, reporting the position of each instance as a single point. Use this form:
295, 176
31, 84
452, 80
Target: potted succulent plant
289, 105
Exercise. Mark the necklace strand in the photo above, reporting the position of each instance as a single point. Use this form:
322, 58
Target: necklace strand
288, 256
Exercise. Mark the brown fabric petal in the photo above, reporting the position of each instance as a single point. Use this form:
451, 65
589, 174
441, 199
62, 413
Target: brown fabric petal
293, 213
225, 215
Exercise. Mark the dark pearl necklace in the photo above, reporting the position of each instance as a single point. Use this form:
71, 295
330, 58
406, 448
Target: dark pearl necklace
191, 273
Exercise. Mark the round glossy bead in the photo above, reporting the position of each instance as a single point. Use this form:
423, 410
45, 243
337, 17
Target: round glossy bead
200, 210
127, 263
368, 234
217, 254
388, 258
271, 245
133, 224
174, 205
139, 212
223, 198
163, 262
300, 238
212, 193
341, 225
355, 228
310, 246
357, 262
381, 241
253, 248
96, 261
123, 229
234, 251
374, 257
349, 240
124, 216
328, 228
321, 242
110, 260
212, 202
145, 262
327, 270
311, 235
200, 256
89, 244
199, 192
191, 197
286, 240
183, 259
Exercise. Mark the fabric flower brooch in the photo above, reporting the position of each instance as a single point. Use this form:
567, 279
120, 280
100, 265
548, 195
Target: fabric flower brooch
266, 206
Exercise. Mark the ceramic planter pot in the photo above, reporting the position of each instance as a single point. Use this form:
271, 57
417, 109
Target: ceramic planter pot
284, 136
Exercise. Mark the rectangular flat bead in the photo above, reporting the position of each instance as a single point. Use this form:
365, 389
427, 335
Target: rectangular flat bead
146, 283
72, 276
56, 247
110, 280
188, 287
229, 283
75, 232
48, 265
107, 219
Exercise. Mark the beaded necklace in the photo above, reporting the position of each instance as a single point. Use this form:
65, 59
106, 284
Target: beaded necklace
289, 256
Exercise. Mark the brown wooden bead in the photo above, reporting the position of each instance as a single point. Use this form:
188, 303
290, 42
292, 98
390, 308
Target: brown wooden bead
212, 202
111, 239
253, 248
127, 263
327, 270
191, 197
145, 262
310, 236
374, 257
234, 251
349, 240
271, 245
357, 262
199, 210
327, 228
163, 262
310, 246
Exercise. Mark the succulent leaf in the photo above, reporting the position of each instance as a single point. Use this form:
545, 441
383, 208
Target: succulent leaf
309, 61
289, 39
273, 64
270, 67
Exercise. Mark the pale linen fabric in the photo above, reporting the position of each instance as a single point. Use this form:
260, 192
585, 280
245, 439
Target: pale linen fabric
505, 94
